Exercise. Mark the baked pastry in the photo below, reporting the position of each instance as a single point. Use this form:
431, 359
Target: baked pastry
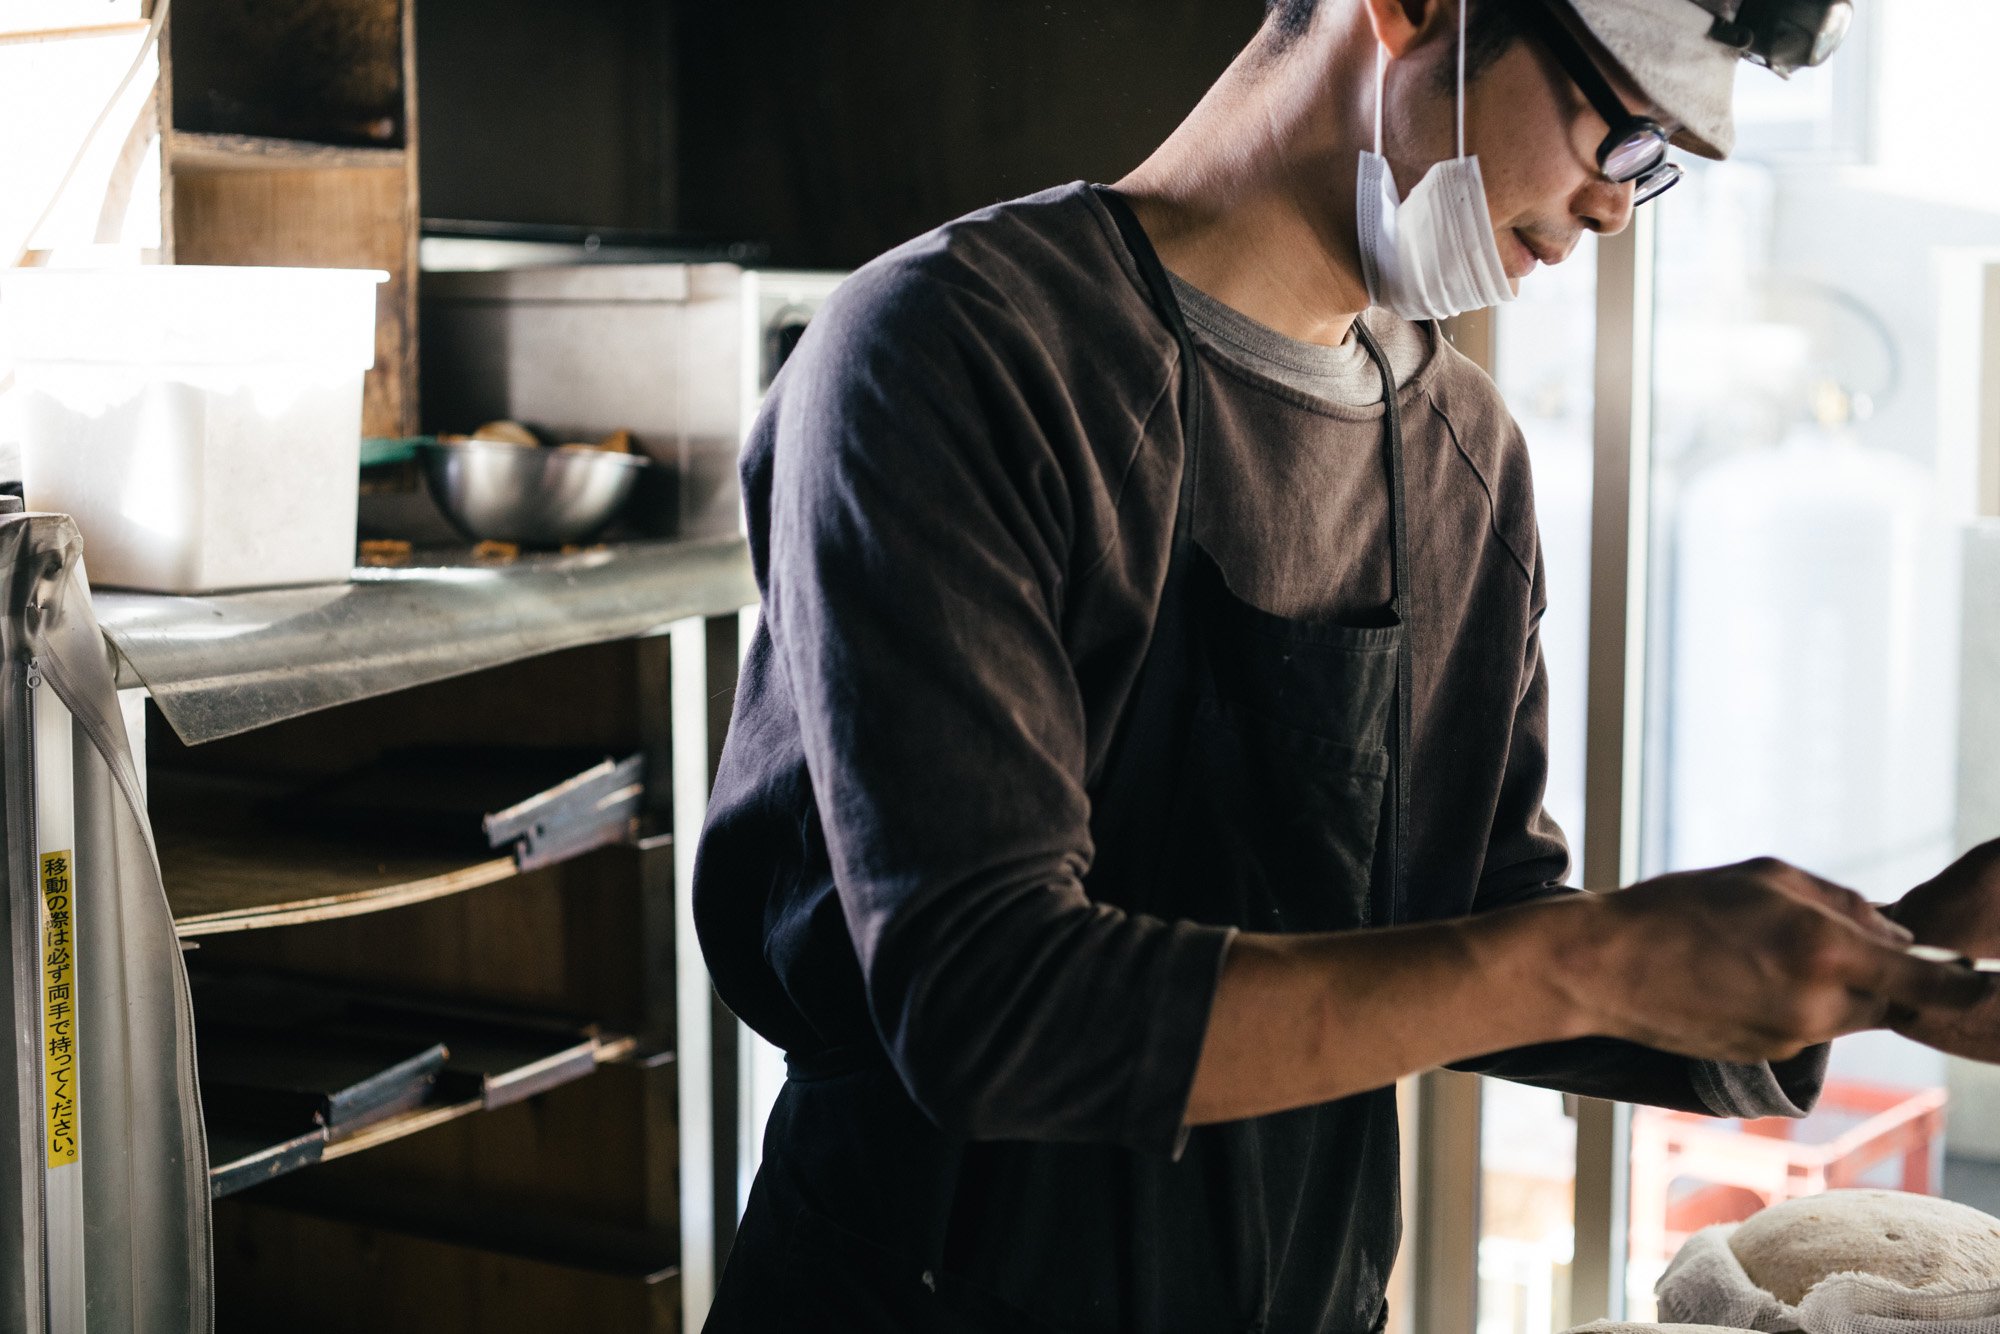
1914, 1241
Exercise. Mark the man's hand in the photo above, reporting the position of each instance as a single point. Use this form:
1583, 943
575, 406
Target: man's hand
1958, 909
1755, 962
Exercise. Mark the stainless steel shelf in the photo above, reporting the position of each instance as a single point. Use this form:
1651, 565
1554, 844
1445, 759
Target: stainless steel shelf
226, 663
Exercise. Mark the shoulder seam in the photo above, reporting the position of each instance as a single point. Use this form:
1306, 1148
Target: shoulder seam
1111, 542
1485, 484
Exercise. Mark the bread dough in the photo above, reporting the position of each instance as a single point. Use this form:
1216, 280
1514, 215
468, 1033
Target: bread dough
1913, 1240
1621, 1327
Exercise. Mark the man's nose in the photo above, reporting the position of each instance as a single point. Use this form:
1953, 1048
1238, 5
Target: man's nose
1603, 206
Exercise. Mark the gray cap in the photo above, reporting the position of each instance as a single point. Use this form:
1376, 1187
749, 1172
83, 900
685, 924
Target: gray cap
1664, 47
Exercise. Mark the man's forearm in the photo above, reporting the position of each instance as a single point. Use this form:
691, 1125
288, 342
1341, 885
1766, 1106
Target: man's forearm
1747, 963
1299, 1020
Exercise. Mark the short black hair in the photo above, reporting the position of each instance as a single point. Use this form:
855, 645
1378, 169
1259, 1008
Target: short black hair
1491, 29
1288, 19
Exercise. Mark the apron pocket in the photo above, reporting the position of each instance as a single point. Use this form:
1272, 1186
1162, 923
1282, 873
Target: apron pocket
1330, 678
1272, 829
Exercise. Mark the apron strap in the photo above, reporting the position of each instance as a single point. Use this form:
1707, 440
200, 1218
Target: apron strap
1399, 603
1139, 750
1169, 307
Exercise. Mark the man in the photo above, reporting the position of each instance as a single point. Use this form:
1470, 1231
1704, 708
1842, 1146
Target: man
1140, 764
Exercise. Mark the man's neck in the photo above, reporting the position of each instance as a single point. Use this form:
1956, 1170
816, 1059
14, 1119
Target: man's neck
1245, 199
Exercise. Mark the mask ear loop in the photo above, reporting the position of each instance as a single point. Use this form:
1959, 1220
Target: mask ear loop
1382, 74
1463, 5
1381, 83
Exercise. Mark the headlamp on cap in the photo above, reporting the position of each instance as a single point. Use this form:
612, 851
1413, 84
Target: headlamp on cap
1783, 35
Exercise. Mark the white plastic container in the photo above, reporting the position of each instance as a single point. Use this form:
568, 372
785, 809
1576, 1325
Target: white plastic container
201, 424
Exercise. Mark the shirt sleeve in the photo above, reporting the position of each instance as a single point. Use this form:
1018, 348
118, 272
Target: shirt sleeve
1527, 860
920, 532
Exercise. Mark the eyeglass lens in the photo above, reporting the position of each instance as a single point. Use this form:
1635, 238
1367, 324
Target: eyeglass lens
1634, 155
1655, 183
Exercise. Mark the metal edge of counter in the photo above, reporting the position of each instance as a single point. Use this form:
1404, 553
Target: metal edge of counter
222, 664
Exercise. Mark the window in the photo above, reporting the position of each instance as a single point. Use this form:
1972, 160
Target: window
1820, 622
1817, 623
1542, 353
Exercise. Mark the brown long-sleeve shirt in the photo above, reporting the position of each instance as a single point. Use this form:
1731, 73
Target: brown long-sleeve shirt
960, 498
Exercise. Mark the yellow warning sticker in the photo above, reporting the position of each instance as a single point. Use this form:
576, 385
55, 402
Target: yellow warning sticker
59, 1006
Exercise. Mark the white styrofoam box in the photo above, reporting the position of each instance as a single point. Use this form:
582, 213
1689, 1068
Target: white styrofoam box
201, 424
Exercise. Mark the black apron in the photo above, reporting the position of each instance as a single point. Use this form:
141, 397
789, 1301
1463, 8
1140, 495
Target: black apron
1257, 761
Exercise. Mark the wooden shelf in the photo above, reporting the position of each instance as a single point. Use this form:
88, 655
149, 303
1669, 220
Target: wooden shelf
112, 28
606, 1248
377, 1256
253, 152
225, 869
288, 137
397, 1126
281, 1158
240, 886
238, 1162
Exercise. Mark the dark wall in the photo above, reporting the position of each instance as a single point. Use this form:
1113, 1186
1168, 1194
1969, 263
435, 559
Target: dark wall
837, 128
833, 129
546, 111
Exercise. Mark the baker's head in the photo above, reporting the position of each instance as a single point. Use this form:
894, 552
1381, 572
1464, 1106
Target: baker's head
1568, 110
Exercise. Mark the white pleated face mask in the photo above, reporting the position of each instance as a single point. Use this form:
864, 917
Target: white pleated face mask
1433, 255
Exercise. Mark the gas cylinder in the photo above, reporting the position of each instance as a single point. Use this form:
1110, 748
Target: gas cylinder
1810, 680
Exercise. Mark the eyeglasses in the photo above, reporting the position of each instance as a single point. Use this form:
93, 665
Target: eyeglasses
1635, 150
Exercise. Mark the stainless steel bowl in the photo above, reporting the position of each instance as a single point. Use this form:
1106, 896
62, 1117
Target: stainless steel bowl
536, 496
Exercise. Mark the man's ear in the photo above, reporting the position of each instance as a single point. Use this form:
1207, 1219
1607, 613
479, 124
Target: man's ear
1399, 23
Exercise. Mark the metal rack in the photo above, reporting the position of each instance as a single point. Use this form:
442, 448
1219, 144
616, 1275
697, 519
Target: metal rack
226, 666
